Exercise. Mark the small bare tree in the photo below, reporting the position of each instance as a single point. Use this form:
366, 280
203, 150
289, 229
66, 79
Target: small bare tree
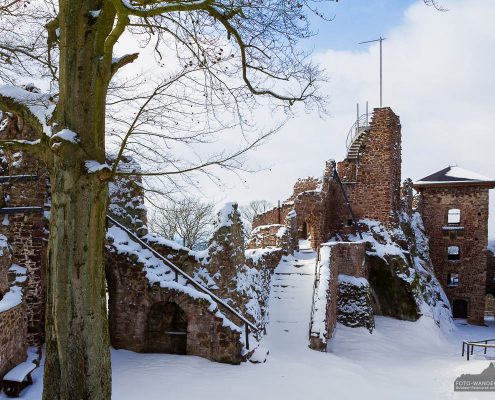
254, 208
187, 219
251, 210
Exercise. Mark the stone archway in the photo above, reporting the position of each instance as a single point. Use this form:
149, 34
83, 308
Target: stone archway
460, 308
304, 230
166, 329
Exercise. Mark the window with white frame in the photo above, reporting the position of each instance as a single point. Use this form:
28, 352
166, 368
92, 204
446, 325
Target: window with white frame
453, 253
454, 216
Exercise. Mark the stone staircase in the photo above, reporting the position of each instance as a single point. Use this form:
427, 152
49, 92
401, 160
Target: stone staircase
290, 303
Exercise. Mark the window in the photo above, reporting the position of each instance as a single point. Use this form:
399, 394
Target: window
454, 216
453, 253
453, 279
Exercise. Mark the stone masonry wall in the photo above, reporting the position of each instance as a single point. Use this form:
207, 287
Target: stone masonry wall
265, 236
131, 298
13, 345
304, 185
309, 214
27, 233
374, 190
490, 273
4, 266
13, 322
349, 257
273, 216
471, 239
336, 258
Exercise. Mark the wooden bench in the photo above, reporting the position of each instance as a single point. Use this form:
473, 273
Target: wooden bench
18, 378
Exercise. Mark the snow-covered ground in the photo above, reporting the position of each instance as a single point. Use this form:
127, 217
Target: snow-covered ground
400, 360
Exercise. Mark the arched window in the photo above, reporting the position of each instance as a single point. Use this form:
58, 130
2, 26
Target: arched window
453, 253
454, 216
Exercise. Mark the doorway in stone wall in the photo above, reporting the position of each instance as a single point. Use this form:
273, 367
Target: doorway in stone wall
490, 305
460, 308
166, 329
304, 231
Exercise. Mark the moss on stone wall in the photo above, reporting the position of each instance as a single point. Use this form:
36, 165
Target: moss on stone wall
392, 296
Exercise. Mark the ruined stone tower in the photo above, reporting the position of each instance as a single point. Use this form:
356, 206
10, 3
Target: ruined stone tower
371, 171
454, 206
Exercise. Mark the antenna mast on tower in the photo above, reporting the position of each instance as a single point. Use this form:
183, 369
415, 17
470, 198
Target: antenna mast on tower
381, 39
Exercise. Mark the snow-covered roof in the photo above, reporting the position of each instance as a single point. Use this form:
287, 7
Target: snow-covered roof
454, 175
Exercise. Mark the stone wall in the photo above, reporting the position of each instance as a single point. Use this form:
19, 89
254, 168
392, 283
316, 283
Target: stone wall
323, 311
284, 236
373, 182
4, 265
174, 252
309, 214
131, 298
354, 307
273, 216
13, 322
490, 305
127, 197
226, 252
27, 233
265, 236
490, 272
349, 257
305, 185
13, 343
470, 236
336, 258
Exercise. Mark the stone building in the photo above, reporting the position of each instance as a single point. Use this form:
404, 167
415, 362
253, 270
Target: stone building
371, 184
371, 171
454, 205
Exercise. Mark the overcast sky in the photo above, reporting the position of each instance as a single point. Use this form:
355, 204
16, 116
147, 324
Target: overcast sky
438, 77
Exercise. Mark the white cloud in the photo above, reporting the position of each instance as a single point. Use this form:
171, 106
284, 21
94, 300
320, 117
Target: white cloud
438, 76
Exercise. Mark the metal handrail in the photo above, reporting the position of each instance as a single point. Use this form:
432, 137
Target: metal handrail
362, 122
179, 271
346, 199
478, 343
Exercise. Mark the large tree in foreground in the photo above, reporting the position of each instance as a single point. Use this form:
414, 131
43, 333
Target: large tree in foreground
235, 49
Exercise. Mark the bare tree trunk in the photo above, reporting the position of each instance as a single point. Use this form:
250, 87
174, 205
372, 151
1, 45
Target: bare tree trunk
77, 352
77, 343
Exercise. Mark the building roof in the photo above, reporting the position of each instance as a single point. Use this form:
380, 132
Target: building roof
455, 176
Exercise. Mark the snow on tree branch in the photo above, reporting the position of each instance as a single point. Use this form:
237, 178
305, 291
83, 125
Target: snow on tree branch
33, 106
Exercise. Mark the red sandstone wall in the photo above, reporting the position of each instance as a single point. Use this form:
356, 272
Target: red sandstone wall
490, 273
27, 233
345, 258
274, 216
13, 347
4, 266
473, 203
130, 301
349, 258
304, 185
374, 189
